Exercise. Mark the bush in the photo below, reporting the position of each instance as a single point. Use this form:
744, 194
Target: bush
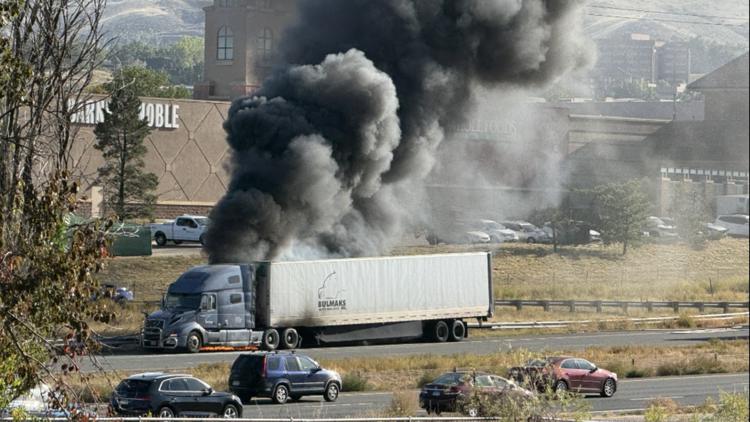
354, 381
695, 366
659, 410
685, 321
426, 378
733, 407
403, 403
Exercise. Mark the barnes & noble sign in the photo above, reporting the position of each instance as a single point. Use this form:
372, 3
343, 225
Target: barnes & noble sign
158, 115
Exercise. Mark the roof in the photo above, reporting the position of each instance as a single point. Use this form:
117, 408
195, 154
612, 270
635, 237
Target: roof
733, 75
150, 376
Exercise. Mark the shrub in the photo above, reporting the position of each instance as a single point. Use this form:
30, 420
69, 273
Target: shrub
354, 381
685, 321
733, 407
426, 378
659, 410
403, 403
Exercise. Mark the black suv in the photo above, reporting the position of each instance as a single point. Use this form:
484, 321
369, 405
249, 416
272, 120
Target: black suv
281, 376
169, 395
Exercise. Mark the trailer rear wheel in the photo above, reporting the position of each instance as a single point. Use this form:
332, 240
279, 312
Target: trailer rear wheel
289, 339
270, 339
440, 332
458, 330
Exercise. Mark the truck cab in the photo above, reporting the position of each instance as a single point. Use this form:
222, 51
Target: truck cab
210, 304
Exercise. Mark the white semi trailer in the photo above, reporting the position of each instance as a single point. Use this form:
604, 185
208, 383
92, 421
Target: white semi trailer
288, 304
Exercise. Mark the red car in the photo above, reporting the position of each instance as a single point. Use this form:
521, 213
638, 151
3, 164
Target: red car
564, 373
447, 391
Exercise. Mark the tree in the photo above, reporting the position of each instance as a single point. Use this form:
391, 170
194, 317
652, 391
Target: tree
181, 61
143, 82
621, 210
128, 189
48, 51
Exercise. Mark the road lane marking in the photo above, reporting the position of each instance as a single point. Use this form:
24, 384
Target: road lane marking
657, 397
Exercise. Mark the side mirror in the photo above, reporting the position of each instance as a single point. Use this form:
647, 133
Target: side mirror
594, 369
316, 369
208, 391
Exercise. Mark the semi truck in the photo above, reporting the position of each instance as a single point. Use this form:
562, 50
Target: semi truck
285, 305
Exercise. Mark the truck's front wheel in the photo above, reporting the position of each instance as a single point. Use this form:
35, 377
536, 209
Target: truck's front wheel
271, 339
194, 342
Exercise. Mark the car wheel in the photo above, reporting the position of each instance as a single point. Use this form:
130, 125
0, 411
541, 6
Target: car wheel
561, 387
440, 332
332, 392
458, 330
472, 412
230, 412
194, 342
609, 388
289, 339
280, 394
165, 412
271, 339
160, 239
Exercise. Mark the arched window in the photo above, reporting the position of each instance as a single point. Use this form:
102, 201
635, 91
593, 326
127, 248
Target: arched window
225, 44
265, 44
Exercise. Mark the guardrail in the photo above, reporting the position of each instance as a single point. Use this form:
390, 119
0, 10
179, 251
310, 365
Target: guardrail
184, 419
572, 305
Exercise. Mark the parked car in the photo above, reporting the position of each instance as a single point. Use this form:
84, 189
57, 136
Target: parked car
572, 233
120, 295
563, 373
452, 392
458, 237
660, 227
527, 232
497, 232
35, 403
172, 395
185, 228
713, 231
282, 377
736, 224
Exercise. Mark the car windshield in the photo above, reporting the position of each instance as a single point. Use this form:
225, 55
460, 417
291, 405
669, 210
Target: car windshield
202, 221
182, 301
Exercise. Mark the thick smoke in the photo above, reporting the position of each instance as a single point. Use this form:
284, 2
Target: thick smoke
328, 157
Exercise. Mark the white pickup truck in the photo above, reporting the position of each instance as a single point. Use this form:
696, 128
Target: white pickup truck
185, 228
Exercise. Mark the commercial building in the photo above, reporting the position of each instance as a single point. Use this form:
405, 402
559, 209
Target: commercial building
639, 57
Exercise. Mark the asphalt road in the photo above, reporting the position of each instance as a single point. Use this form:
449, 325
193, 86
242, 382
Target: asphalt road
130, 363
631, 395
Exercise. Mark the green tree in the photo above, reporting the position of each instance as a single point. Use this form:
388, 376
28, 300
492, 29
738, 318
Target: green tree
128, 188
145, 82
47, 264
621, 210
181, 61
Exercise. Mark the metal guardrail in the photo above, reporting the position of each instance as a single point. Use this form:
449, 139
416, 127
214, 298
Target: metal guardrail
184, 419
572, 305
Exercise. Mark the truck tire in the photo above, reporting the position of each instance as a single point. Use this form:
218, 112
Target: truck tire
458, 330
194, 342
289, 339
440, 332
270, 339
160, 238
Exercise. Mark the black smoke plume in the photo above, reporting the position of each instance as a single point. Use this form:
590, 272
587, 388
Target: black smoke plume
329, 153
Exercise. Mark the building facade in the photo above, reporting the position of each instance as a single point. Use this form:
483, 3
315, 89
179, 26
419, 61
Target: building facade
241, 45
639, 57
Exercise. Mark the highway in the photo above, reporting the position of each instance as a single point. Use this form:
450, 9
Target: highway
632, 394
137, 362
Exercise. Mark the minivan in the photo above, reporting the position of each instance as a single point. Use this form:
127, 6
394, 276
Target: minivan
281, 377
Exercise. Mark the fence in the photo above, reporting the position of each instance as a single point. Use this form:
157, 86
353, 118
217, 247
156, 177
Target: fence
572, 305
182, 419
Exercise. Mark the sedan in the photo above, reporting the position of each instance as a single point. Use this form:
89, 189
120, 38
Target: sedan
565, 373
453, 391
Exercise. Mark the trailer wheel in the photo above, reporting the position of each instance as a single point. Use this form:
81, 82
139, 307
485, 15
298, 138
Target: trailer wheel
289, 339
270, 339
440, 332
458, 330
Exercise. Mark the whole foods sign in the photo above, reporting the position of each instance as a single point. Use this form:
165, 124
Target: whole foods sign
158, 115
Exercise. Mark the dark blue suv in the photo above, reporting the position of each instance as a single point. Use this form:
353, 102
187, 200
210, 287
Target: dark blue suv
282, 377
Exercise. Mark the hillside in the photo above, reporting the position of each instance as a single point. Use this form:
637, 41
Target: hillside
163, 21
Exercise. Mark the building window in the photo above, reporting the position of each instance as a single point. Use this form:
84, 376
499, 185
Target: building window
225, 45
265, 44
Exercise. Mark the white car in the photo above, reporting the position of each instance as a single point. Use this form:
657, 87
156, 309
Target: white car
476, 237
736, 225
497, 232
660, 227
36, 403
527, 232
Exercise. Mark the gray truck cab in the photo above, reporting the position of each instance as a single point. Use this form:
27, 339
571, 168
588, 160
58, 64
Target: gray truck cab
209, 304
